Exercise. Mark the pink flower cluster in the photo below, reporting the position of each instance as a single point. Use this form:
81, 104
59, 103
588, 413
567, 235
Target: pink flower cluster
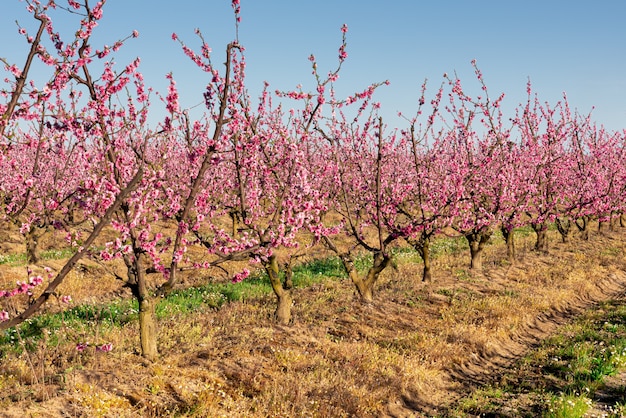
105, 348
242, 275
22, 287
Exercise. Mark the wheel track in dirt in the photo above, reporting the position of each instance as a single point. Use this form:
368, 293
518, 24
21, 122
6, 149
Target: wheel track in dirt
490, 365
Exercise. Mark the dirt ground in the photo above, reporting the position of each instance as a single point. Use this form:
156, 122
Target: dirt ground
413, 353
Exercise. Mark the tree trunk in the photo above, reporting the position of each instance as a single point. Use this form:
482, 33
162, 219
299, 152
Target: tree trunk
563, 225
477, 241
541, 230
621, 221
366, 291
235, 218
426, 275
422, 246
283, 295
365, 286
476, 256
32, 242
581, 223
508, 234
148, 328
348, 264
147, 316
289, 274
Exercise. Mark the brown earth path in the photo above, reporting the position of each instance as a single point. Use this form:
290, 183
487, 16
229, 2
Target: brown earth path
489, 367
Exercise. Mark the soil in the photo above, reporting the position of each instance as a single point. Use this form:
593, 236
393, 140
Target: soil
231, 362
494, 366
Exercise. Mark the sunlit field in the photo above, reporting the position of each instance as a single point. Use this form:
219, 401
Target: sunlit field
295, 253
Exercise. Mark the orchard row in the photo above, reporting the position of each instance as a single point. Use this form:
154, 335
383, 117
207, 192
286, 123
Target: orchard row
254, 176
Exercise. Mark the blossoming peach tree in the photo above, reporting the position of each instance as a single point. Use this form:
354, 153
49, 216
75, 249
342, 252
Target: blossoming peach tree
52, 138
246, 163
260, 183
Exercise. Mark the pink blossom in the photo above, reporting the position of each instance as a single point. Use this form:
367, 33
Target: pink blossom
97, 11
241, 276
236, 6
25, 228
105, 348
36, 280
172, 105
342, 53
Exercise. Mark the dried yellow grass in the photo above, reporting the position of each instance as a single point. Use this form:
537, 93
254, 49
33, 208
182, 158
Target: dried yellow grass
416, 349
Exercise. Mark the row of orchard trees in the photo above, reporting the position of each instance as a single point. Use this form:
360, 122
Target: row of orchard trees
252, 177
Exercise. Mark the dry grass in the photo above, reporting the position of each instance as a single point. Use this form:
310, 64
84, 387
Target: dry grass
413, 352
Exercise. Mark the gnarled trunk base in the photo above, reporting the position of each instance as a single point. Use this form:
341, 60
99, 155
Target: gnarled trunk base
477, 241
541, 244
422, 246
283, 294
563, 225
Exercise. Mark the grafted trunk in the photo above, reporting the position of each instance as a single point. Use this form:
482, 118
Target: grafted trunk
477, 241
366, 291
508, 234
282, 292
541, 229
563, 225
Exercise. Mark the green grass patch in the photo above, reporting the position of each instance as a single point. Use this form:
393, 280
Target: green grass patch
179, 302
611, 251
568, 406
20, 259
308, 273
448, 245
594, 348
485, 400
13, 259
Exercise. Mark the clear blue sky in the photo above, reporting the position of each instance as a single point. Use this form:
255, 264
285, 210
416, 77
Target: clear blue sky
577, 47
